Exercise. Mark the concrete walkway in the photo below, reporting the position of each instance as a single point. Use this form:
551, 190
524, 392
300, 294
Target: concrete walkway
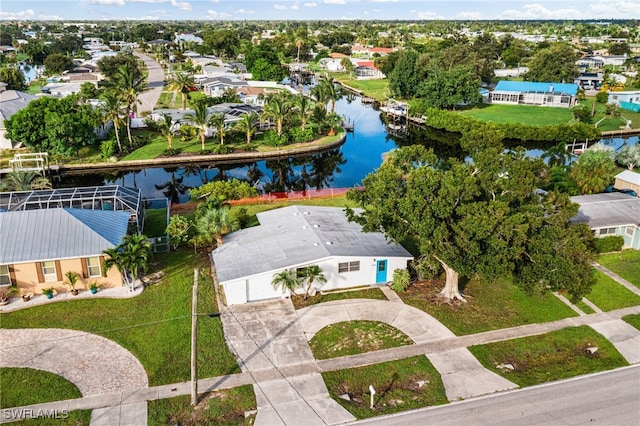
617, 278
624, 336
96, 365
269, 344
462, 374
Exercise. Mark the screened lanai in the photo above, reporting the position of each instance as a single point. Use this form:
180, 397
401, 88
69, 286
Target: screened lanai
108, 197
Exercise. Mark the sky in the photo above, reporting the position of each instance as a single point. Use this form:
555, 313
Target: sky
91, 10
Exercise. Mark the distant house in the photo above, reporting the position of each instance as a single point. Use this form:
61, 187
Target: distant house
589, 80
216, 86
535, 93
367, 69
626, 100
299, 236
40, 246
332, 64
628, 180
11, 101
611, 214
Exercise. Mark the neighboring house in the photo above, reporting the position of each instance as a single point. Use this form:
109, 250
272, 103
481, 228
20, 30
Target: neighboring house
299, 236
535, 93
613, 60
611, 214
332, 64
215, 87
368, 70
40, 246
62, 90
589, 80
11, 101
628, 180
627, 100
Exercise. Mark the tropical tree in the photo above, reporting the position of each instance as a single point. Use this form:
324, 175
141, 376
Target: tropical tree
178, 230
129, 83
481, 217
629, 156
200, 119
319, 116
182, 82
333, 120
218, 121
166, 127
558, 155
130, 257
594, 170
277, 108
348, 66
287, 280
214, 224
310, 274
111, 112
553, 64
303, 109
17, 180
247, 125
330, 91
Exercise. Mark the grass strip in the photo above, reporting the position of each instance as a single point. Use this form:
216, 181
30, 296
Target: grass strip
608, 295
552, 356
625, 263
633, 319
28, 386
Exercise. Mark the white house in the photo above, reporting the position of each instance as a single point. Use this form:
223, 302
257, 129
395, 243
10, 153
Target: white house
296, 237
535, 93
628, 100
11, 101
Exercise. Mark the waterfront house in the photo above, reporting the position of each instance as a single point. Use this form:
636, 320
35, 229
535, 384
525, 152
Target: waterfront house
535, 93
296, 237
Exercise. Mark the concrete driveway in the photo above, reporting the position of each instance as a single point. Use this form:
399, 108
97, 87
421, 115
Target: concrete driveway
149, 98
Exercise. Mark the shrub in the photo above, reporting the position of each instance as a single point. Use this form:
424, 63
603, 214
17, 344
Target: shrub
602, 97
233, 189
108, 148
187, 132
222, 149
296, 135
242, 216
609, 244
271, 138
401, 280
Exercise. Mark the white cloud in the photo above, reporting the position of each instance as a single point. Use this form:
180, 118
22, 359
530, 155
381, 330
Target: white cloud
335, 2
143, 18
538, 11
147, 1
294, 7
615, 9
215, 1
50, 17
384, 1
428, 16
182, 5
279, 7
469, 15
17, 16
377, 10
108, 2
212, 14
244, 12
310, 4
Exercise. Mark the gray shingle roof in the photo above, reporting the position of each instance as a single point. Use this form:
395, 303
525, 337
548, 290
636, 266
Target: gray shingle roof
297, 235
607, 210
37, 235
12, 101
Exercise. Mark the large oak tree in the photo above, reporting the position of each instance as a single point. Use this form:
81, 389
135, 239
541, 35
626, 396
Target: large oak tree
479, 217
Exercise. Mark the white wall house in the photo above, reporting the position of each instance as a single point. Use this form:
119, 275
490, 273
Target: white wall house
534, 93
299, 236
632, 96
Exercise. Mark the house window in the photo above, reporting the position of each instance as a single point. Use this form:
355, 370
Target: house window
49, 270
348, 266
93, 266
629, 231
608, 231
5, 278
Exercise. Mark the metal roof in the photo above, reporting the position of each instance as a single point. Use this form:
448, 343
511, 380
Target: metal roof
607, 210
629, 176
48, 234
12, 101
536, 87
297, 235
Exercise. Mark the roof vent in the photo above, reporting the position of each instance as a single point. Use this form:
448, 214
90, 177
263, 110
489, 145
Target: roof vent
316, 244
316, 226
304, 226
295, 214
329, 243
307, 212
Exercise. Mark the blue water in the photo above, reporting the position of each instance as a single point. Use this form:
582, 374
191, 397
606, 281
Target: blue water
346, 166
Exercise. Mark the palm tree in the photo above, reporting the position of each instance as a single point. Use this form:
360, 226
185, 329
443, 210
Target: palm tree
319, 115
130, 84
17, 180
333, 120
287, 280
303, 109
214, 224
312, 273
111, 110
277, 107
558, 155
166, 128
348, 66
247, 125
182, 82
218, 121
200, 118
130, 257
299, 43
319, 94
330, 91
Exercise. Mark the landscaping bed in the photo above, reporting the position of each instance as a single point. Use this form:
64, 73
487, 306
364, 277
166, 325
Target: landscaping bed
625, 263
490, 306
356, 337
400, 385
552, 356
223, 407
368, 293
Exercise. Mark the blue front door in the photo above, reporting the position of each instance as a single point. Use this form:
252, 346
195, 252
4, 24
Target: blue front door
381, 271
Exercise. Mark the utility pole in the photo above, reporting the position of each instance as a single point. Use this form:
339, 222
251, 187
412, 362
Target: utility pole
194, 338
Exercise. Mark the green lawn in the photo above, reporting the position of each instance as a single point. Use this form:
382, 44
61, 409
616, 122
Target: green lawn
611, 123
634, 320
377, 89
224, 407
585, 308
155, 326
525, 114
356, 337
155, 222
491, 306
607, 294
397, 386
625, 263
26, 386
368, 293
552, 356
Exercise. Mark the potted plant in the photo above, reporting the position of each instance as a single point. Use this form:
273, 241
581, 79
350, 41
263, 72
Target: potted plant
4, 294
48, 292
93, 287
26, 297
72, 279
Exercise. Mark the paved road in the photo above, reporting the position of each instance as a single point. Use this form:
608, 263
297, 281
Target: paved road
149, 98
610, 398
